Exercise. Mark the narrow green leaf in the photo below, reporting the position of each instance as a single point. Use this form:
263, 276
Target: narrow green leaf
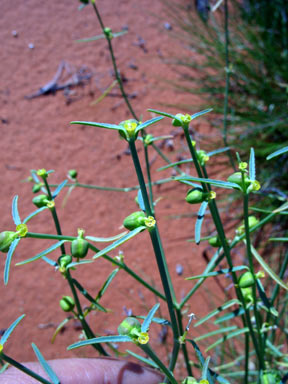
216, 183
227, 337
15, 213
237, 312
119, 242
164, 114
275, 350
143, 359
88, 296
3, 368
60, 326
140, 200
217, 332
52, 375
34, 176
29, 217
156, 320
10, 329
106, 284
265, 299
146, 323
205, 368
277, 153
103, 339
199, 221
217, 151
77, 263
175, 164
266, 267
59, 189
282, 239
282, 207
8, 260
252, 166
201, 359
148, 123
43, 253
49, 261
217, 310
105, 239
99, 125
197, 114
219, 272
98, 37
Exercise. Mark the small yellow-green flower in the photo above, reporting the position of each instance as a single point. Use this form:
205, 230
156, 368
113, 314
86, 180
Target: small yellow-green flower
42, 173
243, 166
51, 204
21, 230
143, 338
212, 195
150, 221
1, 348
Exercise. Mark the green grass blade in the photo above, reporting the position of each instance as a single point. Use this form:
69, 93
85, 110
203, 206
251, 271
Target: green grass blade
252, 166
10, 329
147, 321
217, 310
217, 332
216, 183
8, 260
52, 375
148, 123
43, 253
219, 272
267, 269
99, 125
59, 189
227, 337
199, 221
277, 153
15, 213
103, 339
143, 359
105, 239
106, 284
164, 114
29, 217
197, 114
119, 242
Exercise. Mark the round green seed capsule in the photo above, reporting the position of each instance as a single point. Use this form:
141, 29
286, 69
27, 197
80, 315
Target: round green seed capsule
246, 280
247, 294
129, 325
67, 303
270, 377
36, 188
6, 239
64, 260
40, 201
73, 173
135, 220
195, 196
215, 242
237, 179
79, 246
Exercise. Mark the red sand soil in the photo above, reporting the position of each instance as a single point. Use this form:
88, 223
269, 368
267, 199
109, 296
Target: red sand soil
35, 133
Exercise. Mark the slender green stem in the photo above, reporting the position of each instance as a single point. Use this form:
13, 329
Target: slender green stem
246, 358
156, 242
116, 72
24, 369
165, 158
149, 178
146, 348
183, 345
106, 257
251, 266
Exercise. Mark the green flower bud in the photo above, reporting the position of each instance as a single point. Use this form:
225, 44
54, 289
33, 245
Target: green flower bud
247, 294
185, 119
73, 173
67, 303
246, 280
252, 221
40, 201
130, 127
36, 188
202, 157
6, 239
237, 179
42, 173
108, 33
215, 242
130, 327
64, 260
270, 377
148, 139
195, 196
79, 246
135, 220
190, 380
